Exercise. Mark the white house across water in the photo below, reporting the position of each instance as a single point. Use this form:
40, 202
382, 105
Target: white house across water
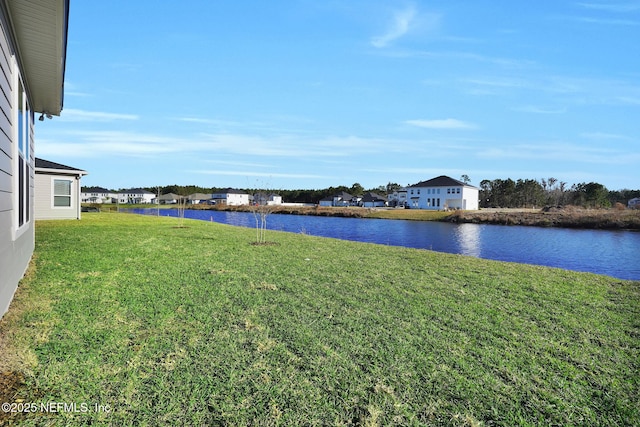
442, 193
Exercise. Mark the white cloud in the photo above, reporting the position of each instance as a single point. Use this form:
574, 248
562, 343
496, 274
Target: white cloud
104, 144
540, 110
401, 24
561, 152
605, 21
197, 120
73, 115
509, 83
613, 7
107, 143
604, 136
442, 124
254, 173
291, 145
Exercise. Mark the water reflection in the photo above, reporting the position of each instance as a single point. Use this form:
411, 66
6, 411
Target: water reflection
468, 238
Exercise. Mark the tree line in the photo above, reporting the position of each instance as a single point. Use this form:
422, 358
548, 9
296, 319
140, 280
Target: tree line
504, 193
292, 196
507, 193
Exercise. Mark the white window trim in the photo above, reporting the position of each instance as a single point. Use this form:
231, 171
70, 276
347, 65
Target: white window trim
19, 230
53, 194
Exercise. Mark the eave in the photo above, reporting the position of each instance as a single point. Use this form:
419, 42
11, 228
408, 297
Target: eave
40, 37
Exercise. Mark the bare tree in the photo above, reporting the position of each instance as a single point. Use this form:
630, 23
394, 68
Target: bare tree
182, 205
261, 207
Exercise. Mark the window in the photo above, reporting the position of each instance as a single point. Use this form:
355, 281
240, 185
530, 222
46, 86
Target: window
458, 190
23, 158
62, 193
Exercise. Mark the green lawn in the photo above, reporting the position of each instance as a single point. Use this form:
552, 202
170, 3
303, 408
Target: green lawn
196, 326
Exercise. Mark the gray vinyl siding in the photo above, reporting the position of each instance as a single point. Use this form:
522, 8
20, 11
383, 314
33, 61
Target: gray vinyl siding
16, 247
6, 129
44, 208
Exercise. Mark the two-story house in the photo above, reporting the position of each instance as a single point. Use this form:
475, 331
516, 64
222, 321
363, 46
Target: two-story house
136, 196
231, 197
398, 198
442, 193
97, 195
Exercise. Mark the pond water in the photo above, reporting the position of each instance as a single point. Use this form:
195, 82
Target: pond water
614, 253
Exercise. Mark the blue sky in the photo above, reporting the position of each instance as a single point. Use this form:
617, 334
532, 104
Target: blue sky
310, 94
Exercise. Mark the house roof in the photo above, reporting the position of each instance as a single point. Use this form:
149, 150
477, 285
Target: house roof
135, 191
230, 191
199, 196
373, 197
441, 181
57, 168
40, 28
344, 196
266, 195
170, 196
95, 190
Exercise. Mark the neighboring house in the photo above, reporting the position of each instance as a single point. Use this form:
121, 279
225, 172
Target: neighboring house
341, 199
97, 195
135, 196
33, 46
442, 193
373, 200
230, 197
398, 198
634, 203
169, 199
267, 199
198, 198
327, 201
57, 190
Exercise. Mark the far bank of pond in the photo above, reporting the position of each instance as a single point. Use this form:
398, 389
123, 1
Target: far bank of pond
609, 252
563, 217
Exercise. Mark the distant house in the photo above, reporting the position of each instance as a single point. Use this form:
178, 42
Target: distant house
634, 203
341, 199
398, 198
442, 193
135, 196
373, 200
57, 190
97, 195
198, 198
231, 197
267, 199
169, 199
33, 47
327, 201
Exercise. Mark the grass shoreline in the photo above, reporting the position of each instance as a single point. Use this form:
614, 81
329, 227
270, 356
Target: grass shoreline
193, 326
563, 217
